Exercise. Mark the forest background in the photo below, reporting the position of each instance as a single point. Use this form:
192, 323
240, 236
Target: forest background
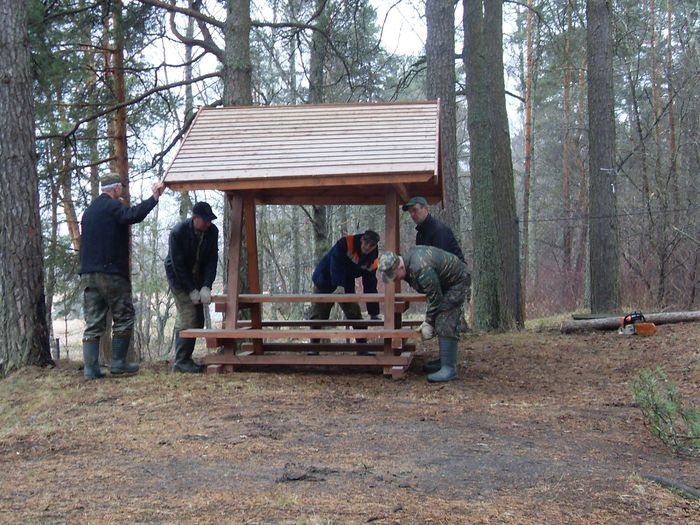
116, 85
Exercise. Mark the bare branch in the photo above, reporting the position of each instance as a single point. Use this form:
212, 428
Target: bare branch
127, 103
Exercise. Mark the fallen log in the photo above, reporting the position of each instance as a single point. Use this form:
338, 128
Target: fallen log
613, 323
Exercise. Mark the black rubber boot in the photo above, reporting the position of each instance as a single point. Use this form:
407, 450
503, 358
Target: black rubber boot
120, 347
91, 360
448, 360
432, 366
183, 357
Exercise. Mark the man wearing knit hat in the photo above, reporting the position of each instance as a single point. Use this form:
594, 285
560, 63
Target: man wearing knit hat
352, 256
193, 255
104, 273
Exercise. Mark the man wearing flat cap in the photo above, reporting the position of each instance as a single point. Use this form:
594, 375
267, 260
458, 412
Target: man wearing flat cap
352, 256
429, 230
444, 279
104, 273
193, 255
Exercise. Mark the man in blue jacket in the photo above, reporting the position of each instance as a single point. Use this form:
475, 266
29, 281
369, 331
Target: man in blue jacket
352, 256
104, 273
193, 255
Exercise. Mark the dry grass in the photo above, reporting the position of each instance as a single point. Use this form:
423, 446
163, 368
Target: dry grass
539, 429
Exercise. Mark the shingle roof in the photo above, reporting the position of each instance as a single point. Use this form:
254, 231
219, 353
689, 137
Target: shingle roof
313, 153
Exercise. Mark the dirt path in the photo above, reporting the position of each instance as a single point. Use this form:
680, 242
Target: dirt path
540, 428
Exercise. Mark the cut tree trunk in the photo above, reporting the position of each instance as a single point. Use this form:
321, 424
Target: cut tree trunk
613, 323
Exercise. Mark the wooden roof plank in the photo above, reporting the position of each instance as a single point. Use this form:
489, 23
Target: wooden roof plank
329, 145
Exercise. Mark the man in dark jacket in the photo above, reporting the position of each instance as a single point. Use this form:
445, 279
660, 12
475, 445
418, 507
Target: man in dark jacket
432, 232
429, 230
104, 273
444, 279
193, 255
352, 256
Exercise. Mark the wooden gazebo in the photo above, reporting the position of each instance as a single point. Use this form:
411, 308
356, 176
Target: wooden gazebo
310, 154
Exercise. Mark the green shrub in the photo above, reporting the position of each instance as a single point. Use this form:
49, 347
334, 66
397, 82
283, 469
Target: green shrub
667, 419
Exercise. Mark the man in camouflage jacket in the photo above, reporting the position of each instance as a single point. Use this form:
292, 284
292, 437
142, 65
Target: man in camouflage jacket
444, 279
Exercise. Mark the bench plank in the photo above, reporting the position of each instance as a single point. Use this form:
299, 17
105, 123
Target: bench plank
272, 333
327, 322
383, 360
248, 298
323, 347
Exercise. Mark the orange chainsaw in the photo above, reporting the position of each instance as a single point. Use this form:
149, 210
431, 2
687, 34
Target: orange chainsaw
635, 323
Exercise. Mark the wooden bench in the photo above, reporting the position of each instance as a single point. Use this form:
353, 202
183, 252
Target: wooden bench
318, 323
217, 338
393, 353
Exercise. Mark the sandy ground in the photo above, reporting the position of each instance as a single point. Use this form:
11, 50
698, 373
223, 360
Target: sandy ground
539, 428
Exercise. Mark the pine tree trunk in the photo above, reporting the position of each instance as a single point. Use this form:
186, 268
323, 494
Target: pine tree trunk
440, 84
497, 302
24, 331
603, 221
529, 148
317, 96
237, 79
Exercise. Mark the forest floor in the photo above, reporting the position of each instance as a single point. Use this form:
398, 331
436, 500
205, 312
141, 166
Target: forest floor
539, 428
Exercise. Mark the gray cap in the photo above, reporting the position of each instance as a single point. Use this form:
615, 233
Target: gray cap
388, 264
110, 179
414, 200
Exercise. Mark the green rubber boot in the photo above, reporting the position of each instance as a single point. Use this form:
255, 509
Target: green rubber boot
91, 360
448, 360
120, 346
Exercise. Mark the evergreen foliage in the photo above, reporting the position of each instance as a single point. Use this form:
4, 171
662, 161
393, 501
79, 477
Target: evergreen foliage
666, 417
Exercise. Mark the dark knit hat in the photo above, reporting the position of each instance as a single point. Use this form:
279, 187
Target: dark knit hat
370, 236
204, 211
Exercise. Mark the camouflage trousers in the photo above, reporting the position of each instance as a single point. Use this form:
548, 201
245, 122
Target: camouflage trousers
449, 321
189, 315
103, 292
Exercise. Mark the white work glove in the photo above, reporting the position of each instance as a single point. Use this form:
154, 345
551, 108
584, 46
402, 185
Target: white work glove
195, 297
426, 331
339, 290
205, 295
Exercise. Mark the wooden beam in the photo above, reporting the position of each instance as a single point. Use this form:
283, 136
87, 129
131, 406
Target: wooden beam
320, 298
382, 360
318, 323
392, 318
234, 260
253, 268
273, 333
225, 183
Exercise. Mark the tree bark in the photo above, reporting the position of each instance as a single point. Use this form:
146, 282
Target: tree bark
497, 303
317, 61
440, 84
24, 338
603, 221
529, 145
238, 91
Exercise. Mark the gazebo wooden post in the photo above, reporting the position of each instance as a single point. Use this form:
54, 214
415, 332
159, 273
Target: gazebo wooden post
392, 319
234, 260
253, 268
